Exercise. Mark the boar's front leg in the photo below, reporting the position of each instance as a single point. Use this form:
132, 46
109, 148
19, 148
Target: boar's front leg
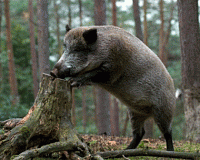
99, 75
84, 79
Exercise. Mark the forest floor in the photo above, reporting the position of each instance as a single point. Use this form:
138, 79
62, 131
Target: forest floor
109, 143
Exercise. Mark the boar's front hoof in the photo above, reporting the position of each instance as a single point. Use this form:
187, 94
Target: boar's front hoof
78, 81
54, 73
75, 83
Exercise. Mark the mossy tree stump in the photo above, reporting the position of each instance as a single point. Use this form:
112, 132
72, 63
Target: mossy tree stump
47, 123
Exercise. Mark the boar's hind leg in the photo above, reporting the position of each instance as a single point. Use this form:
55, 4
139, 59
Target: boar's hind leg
137, 122
164, 120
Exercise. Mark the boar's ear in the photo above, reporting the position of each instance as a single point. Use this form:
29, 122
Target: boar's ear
90, 35
67, 28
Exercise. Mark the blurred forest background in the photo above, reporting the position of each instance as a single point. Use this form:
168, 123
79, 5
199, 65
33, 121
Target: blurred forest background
21, 65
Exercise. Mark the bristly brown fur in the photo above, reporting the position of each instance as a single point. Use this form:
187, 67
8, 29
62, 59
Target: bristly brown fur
123, 65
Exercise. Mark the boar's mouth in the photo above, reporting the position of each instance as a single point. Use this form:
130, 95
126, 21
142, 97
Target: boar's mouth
56, 74
83, 70
73, 72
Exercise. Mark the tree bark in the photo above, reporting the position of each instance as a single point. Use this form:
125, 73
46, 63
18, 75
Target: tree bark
164, 36
73, 107
114, 108
125, 124
69, 13
80, 12
11, 64
48, 122
162, 55
114, 13
1, 71
84, 108
103, 111
168, 31
57, 17
138, 27
115, 118
100, 12
102, 99
43, 36
148, 125
190, 49
33, 51
145, 23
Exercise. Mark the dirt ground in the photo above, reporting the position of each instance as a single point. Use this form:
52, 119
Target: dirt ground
108, 143
105, 143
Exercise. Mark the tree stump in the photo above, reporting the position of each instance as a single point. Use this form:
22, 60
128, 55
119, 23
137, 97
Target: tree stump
47, 123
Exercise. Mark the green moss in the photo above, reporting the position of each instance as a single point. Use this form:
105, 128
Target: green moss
141, 145
25, 131
13, 157
187, 146
93, 142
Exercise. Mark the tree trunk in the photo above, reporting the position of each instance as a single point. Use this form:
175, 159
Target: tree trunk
164, 36
80, 12
33, 52
43, 36
114, 116
114, 108
168, 31
1, 71
103, 111
162, 55
69, 13
12, 77
125, 124
190, 49
48, 121
100, 12
57, 17
145, 23
148, 125
102, 99
138, 27
73, 107
94, 91
84, 109
114, 13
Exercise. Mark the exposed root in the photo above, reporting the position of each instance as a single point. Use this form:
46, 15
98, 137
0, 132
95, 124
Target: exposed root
71, 147
10, 123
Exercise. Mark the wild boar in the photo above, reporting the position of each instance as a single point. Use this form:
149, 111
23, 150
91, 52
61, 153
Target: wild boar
119, 62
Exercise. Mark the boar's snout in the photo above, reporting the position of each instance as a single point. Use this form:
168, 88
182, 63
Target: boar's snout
54, 73
60, 72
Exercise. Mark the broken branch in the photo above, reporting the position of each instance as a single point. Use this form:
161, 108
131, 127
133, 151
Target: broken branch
148, 152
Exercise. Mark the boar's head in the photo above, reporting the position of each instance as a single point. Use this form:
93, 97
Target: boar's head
79, 53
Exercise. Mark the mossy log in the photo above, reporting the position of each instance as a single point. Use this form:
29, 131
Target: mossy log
47, 123
149, 153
